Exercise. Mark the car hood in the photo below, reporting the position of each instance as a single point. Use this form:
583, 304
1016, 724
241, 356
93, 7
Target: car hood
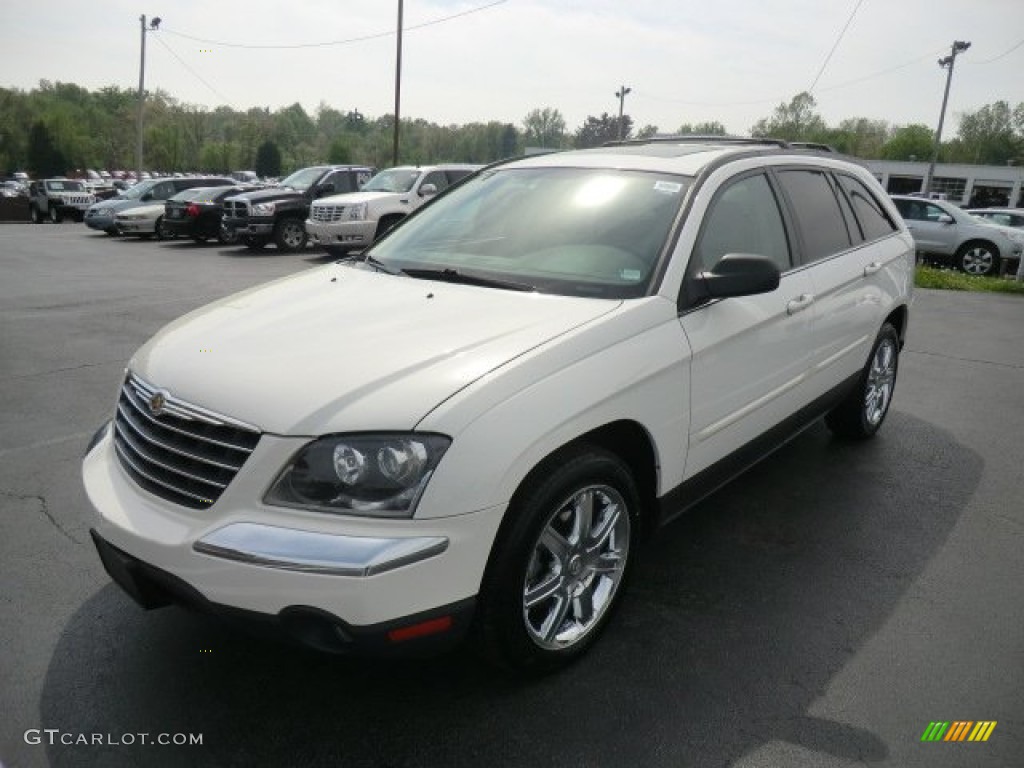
269, 195
342, 348
353, 198
116, 204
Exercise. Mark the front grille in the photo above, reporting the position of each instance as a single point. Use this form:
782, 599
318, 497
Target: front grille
236, 209
78, 200
182, 453
326, 213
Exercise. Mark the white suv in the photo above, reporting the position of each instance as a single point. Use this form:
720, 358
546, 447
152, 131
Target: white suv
468, 430
352, 221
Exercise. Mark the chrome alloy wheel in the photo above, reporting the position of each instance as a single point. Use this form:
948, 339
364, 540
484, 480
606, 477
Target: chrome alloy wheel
881, 380
576, 567
977, 260
293, 234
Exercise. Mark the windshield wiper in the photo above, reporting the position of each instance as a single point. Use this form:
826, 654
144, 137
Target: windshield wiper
380, 265
449, 275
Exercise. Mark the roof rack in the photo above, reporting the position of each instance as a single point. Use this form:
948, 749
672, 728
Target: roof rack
690, 138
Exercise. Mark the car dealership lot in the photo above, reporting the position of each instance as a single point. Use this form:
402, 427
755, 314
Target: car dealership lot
821, 611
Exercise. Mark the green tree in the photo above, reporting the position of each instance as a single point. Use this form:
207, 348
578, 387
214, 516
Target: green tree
544, 128
860, 136
268, 160
795, 121
43, 156
987, 136
710, 128
339, 152
647, 131
911, 142
596, 131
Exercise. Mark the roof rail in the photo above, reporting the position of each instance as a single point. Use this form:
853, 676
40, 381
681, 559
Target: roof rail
690, 138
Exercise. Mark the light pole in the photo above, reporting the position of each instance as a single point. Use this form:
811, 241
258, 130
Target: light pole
621, 96
153, 26
959, 46
398, 85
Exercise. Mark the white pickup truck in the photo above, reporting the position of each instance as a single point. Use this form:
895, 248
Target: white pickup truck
352, 221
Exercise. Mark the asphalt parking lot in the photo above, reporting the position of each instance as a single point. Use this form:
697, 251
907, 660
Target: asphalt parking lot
820, 611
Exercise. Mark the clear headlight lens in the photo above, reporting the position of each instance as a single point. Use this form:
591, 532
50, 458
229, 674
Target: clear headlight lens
373, 475
263, 209
356, 212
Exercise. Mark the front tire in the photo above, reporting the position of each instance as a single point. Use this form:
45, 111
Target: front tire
561, 561
55, 215
290, 235
384, 226
980, 259
861, 414
37, 217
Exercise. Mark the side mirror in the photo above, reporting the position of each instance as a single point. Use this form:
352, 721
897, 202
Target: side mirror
945, 218
736, 274
427, 190
146, 197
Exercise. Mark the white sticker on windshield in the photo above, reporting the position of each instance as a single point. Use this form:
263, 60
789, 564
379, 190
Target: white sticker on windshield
630, 274
668, 187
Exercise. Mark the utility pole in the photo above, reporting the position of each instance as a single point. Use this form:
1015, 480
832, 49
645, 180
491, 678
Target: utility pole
398, 85
959, 46
621, 96
153, 26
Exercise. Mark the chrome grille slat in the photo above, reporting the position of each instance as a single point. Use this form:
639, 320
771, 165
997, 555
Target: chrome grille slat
326, 213
124, 458
180, 452
141, 408
150, 459
140, 432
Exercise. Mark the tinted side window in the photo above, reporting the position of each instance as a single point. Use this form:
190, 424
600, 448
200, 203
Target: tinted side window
438, 179
743, 218
817, 212
163, 190
454, 176
873, 219
342, 181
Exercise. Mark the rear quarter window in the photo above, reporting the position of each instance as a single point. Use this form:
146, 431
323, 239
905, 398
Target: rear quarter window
872, 217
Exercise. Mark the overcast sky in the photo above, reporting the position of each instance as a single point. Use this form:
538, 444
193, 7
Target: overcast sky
685, 60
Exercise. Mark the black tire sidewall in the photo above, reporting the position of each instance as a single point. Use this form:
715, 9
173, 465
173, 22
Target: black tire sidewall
501, 623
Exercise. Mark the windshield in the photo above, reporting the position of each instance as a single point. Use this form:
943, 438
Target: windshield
394, 180
302, 180
134, 193
570, 231
64, 186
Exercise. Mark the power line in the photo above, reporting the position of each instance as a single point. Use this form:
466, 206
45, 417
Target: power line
835, 45
1002, 55
199, 77
346, 41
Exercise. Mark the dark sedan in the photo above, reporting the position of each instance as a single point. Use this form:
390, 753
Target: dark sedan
196, 213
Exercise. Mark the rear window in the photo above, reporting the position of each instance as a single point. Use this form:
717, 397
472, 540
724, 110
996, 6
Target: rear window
818, 214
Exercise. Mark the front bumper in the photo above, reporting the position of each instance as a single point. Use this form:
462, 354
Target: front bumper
348, 234
100, 221
240, 555
250, 227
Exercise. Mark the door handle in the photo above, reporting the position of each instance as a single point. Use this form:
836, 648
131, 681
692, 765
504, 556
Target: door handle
871, 268
800, 303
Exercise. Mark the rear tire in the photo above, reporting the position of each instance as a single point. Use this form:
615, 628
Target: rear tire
976, 258
161, 232
290, 235
36, 216
861, 414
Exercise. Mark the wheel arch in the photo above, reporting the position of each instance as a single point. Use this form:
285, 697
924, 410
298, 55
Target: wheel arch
976, 241
898, 319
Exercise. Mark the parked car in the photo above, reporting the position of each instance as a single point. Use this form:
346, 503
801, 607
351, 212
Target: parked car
101, 215
143, 221
352, 221
197, 213
952, 236
470, 430
277, 213
54, 199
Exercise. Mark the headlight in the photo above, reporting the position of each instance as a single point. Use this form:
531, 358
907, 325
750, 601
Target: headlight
372, 475
356, 212
263, 209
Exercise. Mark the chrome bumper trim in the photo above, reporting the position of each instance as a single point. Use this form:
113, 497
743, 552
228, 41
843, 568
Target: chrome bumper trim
309, 552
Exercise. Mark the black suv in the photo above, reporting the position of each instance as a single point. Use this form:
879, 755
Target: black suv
278, 213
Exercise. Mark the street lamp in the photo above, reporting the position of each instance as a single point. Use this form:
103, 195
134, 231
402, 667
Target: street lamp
398, 85
154, 25
621, 96
959, 46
